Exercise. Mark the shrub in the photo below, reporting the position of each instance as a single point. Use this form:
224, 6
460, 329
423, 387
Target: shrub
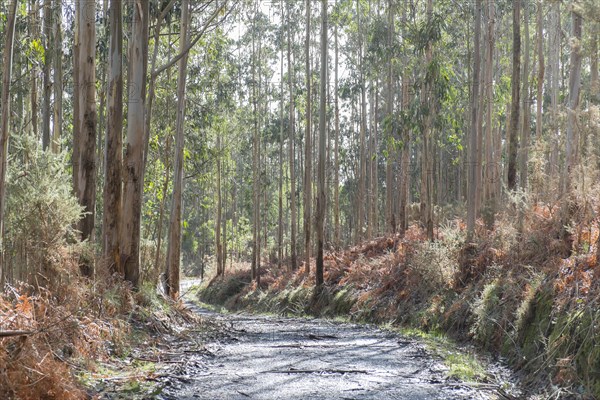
41, 241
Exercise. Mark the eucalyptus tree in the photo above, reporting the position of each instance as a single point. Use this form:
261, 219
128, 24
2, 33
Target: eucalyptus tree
113, 150
474, 132
429, 35
336, 156
7, 61
133, 160
174, 246
526, 101
291, 144
321, 197
87, 120
362, 177
34, 32
307, 146
490, 163
58, 78
47, 83
513, 130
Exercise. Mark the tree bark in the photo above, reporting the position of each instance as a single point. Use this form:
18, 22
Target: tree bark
87, 125
389, 177
134, 146
492, 170
7, 61
48, 54
174, 246
281, 139
58, 79
526, 96
473, 167
307, 147
428, 101
541, 71
255, 271
405, 149
321, 198
35, 34
362, 177
113, 155
76, 95
292, 152
515, 105
572, 139
219, 245
336, 175
471, 212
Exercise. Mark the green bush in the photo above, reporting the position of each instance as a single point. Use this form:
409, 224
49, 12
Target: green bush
41, 216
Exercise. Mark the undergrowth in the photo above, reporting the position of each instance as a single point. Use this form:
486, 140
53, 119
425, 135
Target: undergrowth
57, 328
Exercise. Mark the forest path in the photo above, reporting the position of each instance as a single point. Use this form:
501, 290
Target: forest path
268, 357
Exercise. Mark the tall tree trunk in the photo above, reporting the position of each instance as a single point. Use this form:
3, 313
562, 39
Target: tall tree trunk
362, 176
375, 164
161, 212
114, 142
307, 147
255, 159
541, 71
389, 173
58, 79
480, 96
7, 61
76, 95
572, 148
219, 245
515, 105
35, 34
174, 245
291, 145
473, 134
492, 169
87, 125
526, 96
48, 54
224, 240
554, 43
405, 150
321, 198
281, 139
428, 101
167, 153
336, 173
134, 146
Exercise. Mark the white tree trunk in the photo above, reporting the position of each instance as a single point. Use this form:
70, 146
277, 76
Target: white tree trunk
174, 246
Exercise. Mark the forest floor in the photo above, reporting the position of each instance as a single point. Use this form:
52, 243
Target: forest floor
272, 357
529, 300
275, 357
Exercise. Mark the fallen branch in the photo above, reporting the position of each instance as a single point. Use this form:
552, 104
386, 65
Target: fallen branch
15, 333
319, 371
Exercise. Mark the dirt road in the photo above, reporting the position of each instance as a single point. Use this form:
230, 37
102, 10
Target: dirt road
290, 358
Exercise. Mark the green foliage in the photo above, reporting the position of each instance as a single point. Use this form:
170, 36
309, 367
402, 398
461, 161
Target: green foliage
41, 213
